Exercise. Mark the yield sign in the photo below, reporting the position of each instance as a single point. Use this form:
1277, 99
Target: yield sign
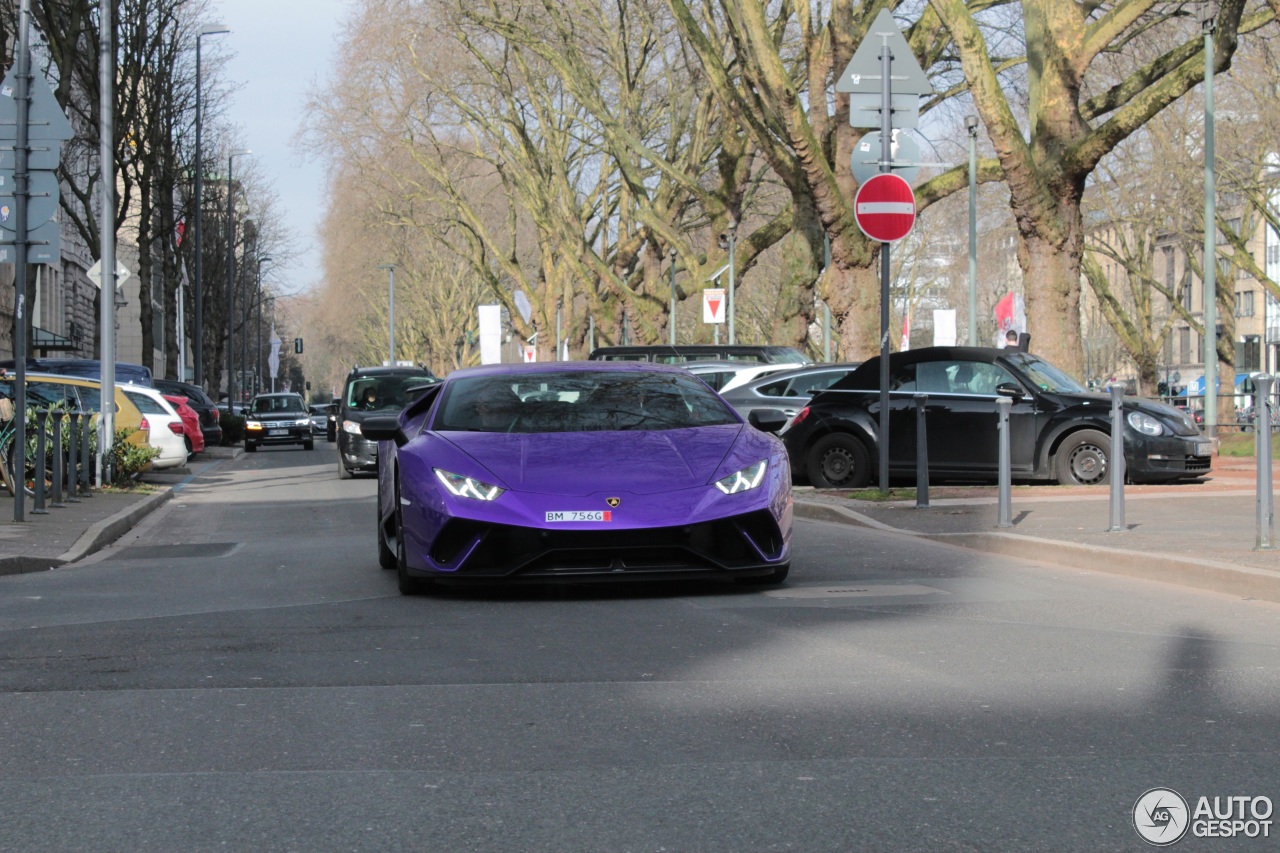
713, 305
885, 208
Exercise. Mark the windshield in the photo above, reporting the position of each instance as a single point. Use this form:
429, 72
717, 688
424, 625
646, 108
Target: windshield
389, 393
580, 401
1044, 375
277, 405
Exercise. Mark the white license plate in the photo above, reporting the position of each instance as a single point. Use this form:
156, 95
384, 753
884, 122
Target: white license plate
579, 515
277, 432
1204, 448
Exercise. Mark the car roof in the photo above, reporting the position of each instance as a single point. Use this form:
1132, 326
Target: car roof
518, 368
387, 370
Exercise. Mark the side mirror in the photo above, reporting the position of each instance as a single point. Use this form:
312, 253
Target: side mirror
1011, 390
381, 428
767, 420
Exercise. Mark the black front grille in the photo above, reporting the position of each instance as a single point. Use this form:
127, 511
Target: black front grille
1199, 463
503, 549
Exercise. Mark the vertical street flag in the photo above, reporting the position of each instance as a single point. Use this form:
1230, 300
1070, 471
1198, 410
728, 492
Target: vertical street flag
1011, 313
906, 333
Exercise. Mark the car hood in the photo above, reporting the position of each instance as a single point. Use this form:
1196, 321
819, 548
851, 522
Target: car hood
583, 463
1181, 421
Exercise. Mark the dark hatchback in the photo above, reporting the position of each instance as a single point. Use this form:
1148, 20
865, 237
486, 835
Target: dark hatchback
370, 391
206, 409
1058, 429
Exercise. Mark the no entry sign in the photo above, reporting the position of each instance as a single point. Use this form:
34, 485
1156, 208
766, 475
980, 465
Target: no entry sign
885, 208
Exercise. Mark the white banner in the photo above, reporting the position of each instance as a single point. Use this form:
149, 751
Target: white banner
944, 327
490, 334
273, 360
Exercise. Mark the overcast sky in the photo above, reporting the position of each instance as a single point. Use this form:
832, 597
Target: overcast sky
277, 49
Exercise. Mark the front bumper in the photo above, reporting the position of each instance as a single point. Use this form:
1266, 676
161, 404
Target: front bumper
1172, 457
276, 432
357, 453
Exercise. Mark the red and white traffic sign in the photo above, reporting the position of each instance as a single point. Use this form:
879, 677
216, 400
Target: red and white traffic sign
713, 305
885, 208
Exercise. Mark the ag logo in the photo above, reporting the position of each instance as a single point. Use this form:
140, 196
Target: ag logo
1161, 817
613, 502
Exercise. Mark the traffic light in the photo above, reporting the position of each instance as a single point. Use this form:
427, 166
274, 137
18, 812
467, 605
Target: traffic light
297, 345
1162, 389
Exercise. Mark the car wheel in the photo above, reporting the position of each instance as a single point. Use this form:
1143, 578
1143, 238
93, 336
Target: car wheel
408, 584
308, 445
386, 557
343, 473
1084, 459
778, 575
250, 447
838, 461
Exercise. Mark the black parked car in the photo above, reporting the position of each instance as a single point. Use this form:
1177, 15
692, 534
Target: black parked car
1058, 429
206, 409
369, 391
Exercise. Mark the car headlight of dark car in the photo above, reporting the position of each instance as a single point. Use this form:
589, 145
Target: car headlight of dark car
1145, 424
352, 427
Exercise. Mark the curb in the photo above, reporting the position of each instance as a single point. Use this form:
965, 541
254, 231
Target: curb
1209, 575
108, 530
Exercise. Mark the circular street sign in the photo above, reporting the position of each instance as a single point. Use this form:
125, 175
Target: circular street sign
885, 208
864, 162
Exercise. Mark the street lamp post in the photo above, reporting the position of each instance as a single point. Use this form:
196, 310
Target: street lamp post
198, 214
391, 311
671, 318
231, 295
971, 122
257, 358
1208, 13
733, 233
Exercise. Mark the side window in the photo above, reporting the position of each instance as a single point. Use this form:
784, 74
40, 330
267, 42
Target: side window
987, 376
782, 388
905, 378
90, 398
803, 386
42, 395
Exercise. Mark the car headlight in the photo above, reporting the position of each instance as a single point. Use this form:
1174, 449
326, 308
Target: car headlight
351, 427
744, 480
1144, 423
252, 425
303, 422
467, 487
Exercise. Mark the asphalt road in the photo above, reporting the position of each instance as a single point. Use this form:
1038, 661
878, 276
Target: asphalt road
238, 674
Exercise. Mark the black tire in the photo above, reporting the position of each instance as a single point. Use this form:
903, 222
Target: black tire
408, 584
343, 473
838, 461
386, 557
777, 576
1084, 459
250, 447
308, 445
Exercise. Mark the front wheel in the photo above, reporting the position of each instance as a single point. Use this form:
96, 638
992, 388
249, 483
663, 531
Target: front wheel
838, 461
250, 447
408, 584
1084, 459
308, 445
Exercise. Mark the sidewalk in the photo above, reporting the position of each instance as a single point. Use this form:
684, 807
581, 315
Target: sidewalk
1198, 534
43, 542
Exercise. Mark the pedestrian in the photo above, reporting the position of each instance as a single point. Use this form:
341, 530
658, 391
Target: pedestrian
1010, 340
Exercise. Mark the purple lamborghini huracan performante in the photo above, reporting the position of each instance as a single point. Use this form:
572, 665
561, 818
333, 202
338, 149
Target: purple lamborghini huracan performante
578, 471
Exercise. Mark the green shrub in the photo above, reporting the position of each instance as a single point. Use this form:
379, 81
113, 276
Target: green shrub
127, 460
232, 429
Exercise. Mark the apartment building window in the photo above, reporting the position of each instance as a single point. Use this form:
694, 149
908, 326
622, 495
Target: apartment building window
1244, 303
1184, 346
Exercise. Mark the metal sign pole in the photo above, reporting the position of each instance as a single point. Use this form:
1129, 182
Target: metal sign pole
20, 196
1262, 455
886, 157
1004, 475
1117, 459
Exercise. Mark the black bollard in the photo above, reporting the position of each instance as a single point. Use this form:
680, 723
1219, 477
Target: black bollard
922, 453
85, 459
73, 459
56, 475
37, 464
